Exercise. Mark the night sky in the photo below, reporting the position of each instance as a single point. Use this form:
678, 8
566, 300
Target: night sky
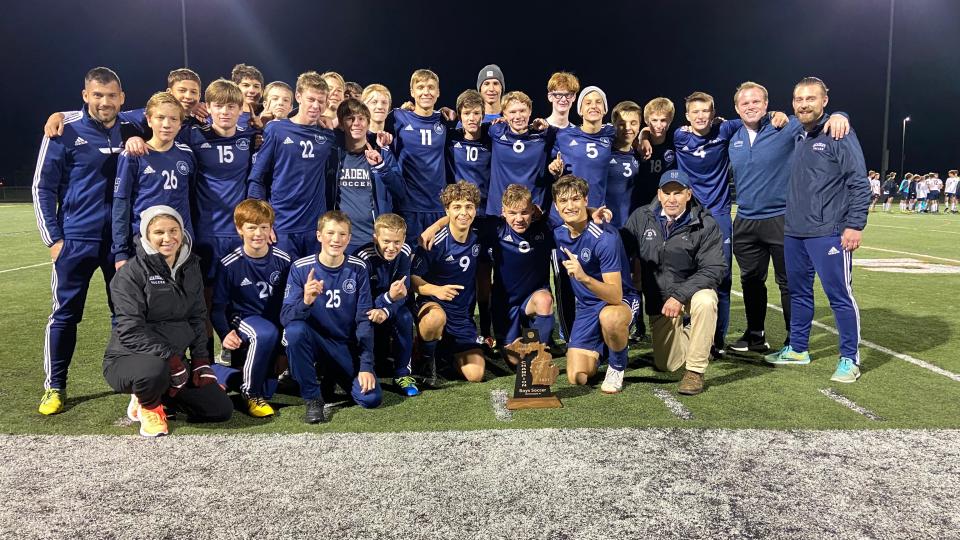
633, 50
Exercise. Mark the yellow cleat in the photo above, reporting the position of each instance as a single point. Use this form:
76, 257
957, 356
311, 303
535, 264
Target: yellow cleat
153, 422
52, 401
258, 407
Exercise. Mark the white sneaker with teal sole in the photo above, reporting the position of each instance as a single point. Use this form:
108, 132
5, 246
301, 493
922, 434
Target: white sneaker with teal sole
847, 371
787, 355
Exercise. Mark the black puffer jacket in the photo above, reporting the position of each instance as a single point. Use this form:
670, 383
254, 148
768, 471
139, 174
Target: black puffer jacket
159, 311
678, 265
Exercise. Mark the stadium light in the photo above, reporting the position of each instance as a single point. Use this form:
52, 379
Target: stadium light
903, 145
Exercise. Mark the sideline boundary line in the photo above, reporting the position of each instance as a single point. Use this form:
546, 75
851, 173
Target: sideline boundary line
911, 253
678, 409
24, 267
849, 403
869, 344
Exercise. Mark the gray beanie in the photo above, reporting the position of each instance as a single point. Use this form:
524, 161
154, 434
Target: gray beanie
490, 72
589, 89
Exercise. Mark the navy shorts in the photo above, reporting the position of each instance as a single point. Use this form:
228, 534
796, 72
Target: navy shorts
587, 334
509, 320
460, 333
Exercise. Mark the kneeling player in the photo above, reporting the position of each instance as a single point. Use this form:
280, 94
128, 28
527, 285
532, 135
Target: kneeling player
246, 305
388, 264
606, 302
444, 279
331, 334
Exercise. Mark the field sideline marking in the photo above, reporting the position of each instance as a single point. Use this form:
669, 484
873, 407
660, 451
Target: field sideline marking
910, 253
677, 408
905, 357
849, 403
24, 267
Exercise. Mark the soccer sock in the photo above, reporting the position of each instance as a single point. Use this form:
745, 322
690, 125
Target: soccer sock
483, 306
617, 359
428, 349
543, 324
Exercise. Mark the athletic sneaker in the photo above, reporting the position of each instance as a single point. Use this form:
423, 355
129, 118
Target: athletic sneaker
408, 385
153, 422
258, 407
133, 409
52, 401
847, 371
315, 413
751, 341
613, 382
787, 355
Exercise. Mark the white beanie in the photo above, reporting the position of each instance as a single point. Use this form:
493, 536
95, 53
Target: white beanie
589, 89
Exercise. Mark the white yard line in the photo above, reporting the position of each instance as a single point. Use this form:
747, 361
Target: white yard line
498, 400
869, 344
677, 408
24, 267
911, 253
849, 403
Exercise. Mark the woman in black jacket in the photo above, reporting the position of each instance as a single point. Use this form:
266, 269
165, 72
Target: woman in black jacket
160, 313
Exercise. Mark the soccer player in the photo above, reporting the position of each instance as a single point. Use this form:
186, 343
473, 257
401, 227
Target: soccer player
71, 200
377, 98
951, 190
163, 176
658, 114
246, 306
922, 190
419, 142
490, 85
444, 279
223, 149
335, 89
277, 101
388, 264
584, 151
562, 89
904, 191
874, 178
677, 244
326, 321
606, 302
291, 167
468, 147
519, 154
822, 231
352, 90
624, 166
367, 180
250, 81
936, 185
888, 191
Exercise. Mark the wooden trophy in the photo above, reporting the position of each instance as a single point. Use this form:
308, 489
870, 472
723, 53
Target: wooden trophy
535, 373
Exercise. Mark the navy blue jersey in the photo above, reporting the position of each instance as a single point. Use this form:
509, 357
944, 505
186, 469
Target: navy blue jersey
587, 155
470, 160
148, 180
706, 161
223, 164
248, 286
72, 183
600, 251
419, 144
663, 158
521, 262
356, 197
383, 273
450, 262
138, 117
490, 117
289, 172
340, 312
621, 176
519, 159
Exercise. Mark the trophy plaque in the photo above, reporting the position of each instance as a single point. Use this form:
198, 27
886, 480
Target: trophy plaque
535, 373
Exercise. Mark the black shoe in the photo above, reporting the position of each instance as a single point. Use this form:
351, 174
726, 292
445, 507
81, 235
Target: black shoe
751, 342
717, 352
315, 413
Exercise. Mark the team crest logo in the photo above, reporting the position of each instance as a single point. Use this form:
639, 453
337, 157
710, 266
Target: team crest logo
320, 139
649, 234
350, 286
183, 168
243, 144
585, 254
438, 128
604, 141
476, 250
668, 156
274, 276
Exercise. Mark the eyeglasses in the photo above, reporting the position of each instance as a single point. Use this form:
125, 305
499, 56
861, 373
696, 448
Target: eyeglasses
561, 96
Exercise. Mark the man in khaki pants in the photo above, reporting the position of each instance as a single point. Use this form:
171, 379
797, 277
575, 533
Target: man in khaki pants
678, 246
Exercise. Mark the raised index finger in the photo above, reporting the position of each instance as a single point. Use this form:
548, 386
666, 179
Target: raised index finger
310, 275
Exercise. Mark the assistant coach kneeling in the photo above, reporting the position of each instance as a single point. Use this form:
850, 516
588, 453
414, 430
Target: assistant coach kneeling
678, 245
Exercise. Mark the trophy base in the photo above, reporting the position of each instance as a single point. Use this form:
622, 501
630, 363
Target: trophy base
551, 402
